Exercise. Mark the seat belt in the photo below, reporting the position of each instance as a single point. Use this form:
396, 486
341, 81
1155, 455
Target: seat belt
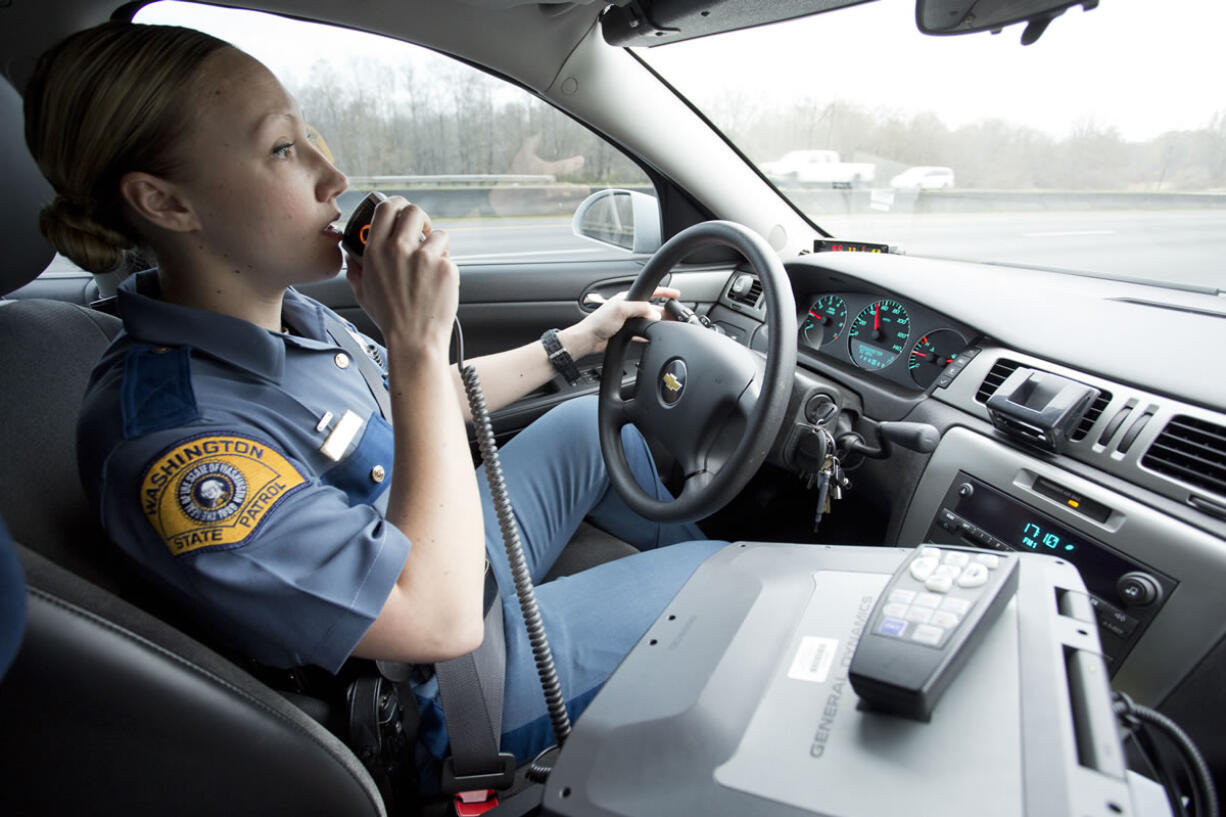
470, 686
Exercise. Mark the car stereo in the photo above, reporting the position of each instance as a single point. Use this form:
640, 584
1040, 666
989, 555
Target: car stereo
1126, 595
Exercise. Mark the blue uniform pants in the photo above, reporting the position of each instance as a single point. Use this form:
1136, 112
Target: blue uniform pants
556, 477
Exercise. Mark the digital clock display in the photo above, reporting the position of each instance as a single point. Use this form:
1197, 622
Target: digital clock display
1044, 538
1019, 526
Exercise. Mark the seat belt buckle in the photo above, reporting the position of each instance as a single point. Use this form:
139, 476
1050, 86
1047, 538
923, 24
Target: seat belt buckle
475, 803
500, 780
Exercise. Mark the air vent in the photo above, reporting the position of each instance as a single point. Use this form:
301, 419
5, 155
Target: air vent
1000, 372
1091, 416
745, 290
1192, 451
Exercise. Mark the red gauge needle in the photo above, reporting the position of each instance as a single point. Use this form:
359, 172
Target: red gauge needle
876, 317
920, 354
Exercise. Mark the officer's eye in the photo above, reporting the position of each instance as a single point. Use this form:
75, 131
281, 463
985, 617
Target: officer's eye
282, 150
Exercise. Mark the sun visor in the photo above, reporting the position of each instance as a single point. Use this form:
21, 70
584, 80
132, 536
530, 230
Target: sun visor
658, 22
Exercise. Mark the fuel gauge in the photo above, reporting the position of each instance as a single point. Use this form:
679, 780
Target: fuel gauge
932, 353
826, 321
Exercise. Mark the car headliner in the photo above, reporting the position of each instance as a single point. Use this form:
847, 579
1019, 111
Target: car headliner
528, 43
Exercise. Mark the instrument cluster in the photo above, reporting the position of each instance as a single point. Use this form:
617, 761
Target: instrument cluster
902, 342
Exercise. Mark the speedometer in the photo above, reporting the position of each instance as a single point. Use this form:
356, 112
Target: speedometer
878, 334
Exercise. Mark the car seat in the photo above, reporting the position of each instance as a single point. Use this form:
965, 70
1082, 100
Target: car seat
108, 709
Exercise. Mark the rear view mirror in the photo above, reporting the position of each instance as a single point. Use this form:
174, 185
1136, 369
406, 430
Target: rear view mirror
622, 218
968, 16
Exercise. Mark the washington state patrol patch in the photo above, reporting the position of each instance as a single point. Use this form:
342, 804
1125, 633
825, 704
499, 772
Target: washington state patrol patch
214, 491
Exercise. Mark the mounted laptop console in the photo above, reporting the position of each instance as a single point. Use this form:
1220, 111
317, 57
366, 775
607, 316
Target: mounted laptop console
739, 699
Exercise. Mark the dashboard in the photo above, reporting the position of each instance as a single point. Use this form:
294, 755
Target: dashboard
1134, 494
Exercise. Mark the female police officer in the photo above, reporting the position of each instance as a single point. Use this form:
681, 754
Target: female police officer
234, 448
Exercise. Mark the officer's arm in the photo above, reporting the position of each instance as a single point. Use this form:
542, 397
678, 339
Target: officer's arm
507, 376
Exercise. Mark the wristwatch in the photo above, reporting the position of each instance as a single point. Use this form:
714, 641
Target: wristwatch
559, 357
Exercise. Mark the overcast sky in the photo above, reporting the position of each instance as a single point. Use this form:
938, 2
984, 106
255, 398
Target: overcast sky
1144, 66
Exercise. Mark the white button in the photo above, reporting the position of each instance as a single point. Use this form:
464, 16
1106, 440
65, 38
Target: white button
377, 474
955, 605
920, 614
947, 570
927, 634
944, 618
894, 610
957, 558
974, 576
989, 560
922, 567
342, 360
902, 596
931, 551
939, 584
927, 600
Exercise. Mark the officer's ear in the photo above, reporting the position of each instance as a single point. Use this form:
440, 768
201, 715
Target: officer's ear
158, 202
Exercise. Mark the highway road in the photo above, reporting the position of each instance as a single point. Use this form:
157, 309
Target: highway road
1181, 246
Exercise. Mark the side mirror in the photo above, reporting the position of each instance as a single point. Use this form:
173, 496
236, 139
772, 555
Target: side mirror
625, 219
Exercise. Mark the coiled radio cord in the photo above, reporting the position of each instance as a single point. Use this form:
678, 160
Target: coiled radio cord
526, 593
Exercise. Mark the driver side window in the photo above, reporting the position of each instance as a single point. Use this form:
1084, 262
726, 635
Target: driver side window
500, 170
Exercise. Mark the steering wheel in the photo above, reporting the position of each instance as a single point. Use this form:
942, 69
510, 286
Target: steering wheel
713, 404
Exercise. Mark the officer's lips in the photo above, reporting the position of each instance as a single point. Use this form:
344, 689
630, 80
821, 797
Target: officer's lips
331, 230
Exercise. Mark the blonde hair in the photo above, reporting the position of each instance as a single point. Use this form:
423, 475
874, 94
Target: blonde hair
108, 101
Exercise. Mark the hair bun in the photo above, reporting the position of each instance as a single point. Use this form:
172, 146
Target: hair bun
75, 234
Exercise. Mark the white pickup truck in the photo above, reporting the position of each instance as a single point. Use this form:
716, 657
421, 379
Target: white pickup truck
820, 167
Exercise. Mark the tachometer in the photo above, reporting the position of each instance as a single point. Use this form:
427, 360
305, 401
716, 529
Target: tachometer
932, 353
826, 321
878, 334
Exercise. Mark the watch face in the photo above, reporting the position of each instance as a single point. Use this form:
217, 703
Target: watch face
559, 357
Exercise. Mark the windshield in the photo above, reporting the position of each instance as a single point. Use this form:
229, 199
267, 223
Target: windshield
1100, 149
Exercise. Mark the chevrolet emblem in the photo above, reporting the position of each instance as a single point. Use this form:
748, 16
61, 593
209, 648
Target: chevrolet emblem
672, 381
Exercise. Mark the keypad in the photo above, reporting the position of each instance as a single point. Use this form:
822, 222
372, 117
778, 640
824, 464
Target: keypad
934, 596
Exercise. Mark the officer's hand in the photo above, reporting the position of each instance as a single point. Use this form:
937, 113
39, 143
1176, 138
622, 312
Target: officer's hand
592, 334
406, 280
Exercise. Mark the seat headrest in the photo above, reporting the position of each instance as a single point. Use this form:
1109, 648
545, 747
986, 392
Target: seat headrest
26, 252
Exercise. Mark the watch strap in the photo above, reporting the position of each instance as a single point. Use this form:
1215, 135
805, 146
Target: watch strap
559, 357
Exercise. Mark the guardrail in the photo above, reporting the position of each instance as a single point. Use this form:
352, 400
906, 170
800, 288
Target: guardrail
478, 196
987, 201
471, 180
511, 195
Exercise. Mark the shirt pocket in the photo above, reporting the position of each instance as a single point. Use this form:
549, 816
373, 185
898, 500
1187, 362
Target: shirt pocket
364, 473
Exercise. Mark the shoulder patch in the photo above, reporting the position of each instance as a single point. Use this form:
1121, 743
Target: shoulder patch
214, 491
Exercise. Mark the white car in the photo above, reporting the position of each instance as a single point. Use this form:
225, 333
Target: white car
820, 167
923, 178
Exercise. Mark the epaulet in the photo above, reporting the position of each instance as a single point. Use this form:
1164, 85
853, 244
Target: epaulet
157, 389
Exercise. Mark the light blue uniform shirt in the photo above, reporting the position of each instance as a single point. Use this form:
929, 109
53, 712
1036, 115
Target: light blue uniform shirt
200, 439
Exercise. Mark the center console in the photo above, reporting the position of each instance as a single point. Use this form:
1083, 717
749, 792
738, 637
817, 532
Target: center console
1150, 577
1127, 595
